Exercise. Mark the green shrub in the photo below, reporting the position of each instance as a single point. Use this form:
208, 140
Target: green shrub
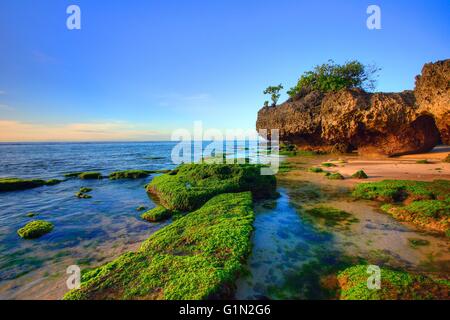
423, 161
333, 77
198, 256
274, 92
35, 229
315, 170
428, 203
157, 214
194, 184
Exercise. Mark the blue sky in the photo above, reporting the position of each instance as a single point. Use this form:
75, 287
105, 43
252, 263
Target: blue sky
139, 69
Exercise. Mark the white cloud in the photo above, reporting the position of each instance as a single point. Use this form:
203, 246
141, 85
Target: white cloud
102, 131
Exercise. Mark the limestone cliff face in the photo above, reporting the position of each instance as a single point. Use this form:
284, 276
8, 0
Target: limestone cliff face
433, 95
373, 123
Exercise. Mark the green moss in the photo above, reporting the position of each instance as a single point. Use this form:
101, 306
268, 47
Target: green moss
426, 204
141, 208
335, 176
196, 257
331, 216
35, 229
423, 161
194, 184
129, 174
360, 175
72, 174
395, 285
85, 190
432, 214
328, 164
15, 184
90, 176
315, 170
31, 214
399, 190
418, 242
157, 214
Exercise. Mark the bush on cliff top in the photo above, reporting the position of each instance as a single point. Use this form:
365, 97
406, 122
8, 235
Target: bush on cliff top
332, 77
191, 185
196, 257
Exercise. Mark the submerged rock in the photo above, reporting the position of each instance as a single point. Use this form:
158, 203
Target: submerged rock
389, 124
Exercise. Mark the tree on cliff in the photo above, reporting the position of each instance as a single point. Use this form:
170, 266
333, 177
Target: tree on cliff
274, 92
332, 77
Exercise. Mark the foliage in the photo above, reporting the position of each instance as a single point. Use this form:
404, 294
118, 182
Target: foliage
335, 176
274, 92
426, 204
333, 77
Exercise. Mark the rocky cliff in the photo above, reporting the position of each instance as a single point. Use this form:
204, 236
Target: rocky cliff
372, 123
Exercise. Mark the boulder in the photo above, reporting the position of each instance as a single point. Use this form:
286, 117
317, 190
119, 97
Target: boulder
388, 124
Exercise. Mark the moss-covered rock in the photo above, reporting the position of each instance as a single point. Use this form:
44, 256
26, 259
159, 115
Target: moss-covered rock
15, 184
141, 208
194, 184
335, 176
35, 229
196, 257
90, 176
157, 214
426, 204
331, 216
328, 165
395, 285
360, 175
85, 189
134, 174
129, 174
82, 195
